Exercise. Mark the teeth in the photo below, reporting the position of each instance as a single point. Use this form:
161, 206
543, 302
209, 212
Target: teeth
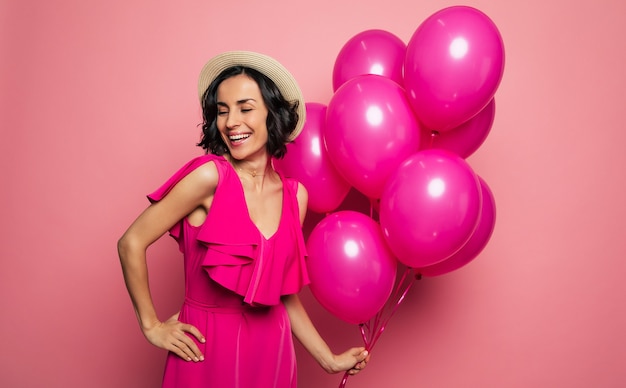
238, 137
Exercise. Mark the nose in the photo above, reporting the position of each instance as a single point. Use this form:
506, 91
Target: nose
233, 120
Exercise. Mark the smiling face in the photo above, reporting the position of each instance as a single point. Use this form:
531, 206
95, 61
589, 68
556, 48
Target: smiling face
242, 117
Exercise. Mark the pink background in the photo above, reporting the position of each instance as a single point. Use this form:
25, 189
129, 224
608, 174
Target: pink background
98, 107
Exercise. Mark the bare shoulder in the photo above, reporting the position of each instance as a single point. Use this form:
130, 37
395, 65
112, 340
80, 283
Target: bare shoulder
201, 182
187, 198
206, 174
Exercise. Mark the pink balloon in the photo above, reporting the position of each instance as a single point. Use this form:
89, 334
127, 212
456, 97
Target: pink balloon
454, 64
370, 52
430, 207
476, 243
351, 268
465, 139
370, 130
307, 161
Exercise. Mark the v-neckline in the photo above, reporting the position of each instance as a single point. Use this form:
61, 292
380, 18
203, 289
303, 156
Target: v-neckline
243, 195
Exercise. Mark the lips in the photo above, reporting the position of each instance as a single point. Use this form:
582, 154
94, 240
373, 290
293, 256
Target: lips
238, 138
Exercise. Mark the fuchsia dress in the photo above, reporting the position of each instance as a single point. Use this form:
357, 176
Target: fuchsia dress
234, 278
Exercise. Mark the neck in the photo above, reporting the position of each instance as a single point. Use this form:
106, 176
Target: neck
250, 168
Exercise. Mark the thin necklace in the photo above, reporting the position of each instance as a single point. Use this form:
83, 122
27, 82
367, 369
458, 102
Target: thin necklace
253, 173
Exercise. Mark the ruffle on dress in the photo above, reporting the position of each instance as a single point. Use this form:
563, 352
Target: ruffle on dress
236, 254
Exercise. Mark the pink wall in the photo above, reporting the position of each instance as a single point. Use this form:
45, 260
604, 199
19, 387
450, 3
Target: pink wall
98, 107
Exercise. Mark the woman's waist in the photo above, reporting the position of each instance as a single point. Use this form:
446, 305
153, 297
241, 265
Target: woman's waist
231, 305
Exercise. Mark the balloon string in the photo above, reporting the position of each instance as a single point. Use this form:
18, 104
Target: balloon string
403, 288
362, 327
344, 380
372, 330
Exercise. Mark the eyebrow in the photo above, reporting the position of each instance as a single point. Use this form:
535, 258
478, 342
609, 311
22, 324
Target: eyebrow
239, 102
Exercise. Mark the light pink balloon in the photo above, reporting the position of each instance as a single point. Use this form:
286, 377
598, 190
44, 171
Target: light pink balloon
370, 52
307, 161
370, 130
465, 139
430, 207
476, 243
351, 268
454, 64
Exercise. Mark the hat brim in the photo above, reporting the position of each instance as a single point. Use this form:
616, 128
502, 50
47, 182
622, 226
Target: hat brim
270, 67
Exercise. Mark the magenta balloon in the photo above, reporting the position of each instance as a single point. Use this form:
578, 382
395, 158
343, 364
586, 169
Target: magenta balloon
370, 130
454, 64
307, 161
476, 243
351, 268
430, 207
370, 52
465, 139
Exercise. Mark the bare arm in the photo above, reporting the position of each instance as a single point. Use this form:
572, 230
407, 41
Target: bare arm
192, 193
352, 360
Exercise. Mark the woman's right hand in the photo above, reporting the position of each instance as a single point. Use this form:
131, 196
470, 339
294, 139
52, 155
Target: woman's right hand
172, 335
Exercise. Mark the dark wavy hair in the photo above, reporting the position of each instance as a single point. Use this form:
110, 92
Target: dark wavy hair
282, 116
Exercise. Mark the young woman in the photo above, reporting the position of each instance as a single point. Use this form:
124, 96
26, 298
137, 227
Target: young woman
238, 224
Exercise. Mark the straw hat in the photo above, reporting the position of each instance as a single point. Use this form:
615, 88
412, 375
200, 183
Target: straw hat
271, 68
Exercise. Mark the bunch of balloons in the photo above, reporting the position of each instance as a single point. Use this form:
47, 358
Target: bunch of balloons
399, 127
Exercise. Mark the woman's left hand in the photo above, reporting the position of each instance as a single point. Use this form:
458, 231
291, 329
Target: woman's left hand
353, 360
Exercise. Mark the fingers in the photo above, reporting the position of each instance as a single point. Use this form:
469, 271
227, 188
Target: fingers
195, 332
186, 349
177, 337
362, 355
186, 345
362, 358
